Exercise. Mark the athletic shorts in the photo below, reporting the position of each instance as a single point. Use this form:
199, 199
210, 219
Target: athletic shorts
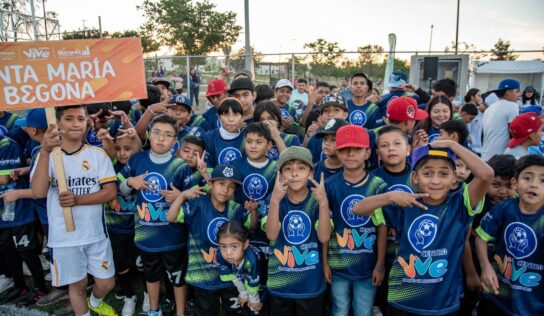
22, 238
124, 251
71, 264
173, 262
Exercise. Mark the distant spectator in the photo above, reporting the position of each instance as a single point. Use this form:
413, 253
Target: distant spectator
264, 93
528, 97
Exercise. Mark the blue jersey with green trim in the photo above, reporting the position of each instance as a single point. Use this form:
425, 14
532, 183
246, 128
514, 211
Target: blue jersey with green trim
120, 212
295, 269
184, 132
426, 276
315, 146
212, 119
352, 247
7, 122
288, 139
288, 111
366, 115
247, 271
519, 257
153, 233
189, 177
203, 221
320, 167
221, 151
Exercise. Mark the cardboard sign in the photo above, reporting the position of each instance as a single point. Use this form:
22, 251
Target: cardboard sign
52, 73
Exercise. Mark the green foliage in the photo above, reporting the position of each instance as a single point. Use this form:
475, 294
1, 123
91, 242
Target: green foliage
501, 51
324, 52
238, 59
148, 43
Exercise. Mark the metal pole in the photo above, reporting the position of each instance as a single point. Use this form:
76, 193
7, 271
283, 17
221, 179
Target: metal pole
457, 28
293, 67
100, 26
248, 46
431, 39
33, 20
45, 20
188, 77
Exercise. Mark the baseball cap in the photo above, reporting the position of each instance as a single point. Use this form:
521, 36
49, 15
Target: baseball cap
332, 126
491, 98
153, 96
508, 84
405, 109
396, 79
532, 108
522, 126
241, 84
180, 99
425, 151
216, 87
333, 100
295, 153
283, 83
226, 172
352, 136
244, 72
165, 83
33, 118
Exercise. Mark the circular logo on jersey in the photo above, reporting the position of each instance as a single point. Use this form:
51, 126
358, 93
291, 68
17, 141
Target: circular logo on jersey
213, 227
433, 138
284, 113
175, 147
273, 153
346, 210
400, 187
255, 186
156, 183
92, 139
357, 117
422, 231
228, 155
520, 240
3, 130
296, 227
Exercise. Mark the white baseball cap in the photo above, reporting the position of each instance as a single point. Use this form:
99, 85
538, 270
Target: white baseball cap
284, 83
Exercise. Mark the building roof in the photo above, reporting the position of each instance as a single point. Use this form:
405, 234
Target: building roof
508, 67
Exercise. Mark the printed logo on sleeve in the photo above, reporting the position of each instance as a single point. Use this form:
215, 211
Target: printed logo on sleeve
273, 153
400, 187
228, 155
92, 139
213, 227
346, 210
175, 147
296, 227
358, 117
433, 138
423, 231
285, 113
520, 240
255, 186
156, 183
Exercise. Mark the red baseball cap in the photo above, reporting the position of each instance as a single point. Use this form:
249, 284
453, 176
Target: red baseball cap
522, 126
352, 136
405, 109
215, 87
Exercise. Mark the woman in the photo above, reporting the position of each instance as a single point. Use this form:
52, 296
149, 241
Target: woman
194, 78
473, 96
528, 98
440, 110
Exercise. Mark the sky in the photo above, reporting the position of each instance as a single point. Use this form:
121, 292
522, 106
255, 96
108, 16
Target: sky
280, 26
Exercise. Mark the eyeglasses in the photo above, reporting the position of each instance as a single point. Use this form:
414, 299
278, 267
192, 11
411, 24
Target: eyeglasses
159, 134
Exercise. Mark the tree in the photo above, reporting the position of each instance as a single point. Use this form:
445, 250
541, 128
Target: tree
238, 59
83, 34
148, 43
324, 57
501, 51
370, 54
191, 28
464, 47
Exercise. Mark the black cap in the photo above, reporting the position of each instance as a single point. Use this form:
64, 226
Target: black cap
226, 172
165, 83
153, 96
241, 84
332, 126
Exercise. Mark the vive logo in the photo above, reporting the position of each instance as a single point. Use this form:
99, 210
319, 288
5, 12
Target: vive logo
37, 53
436, 269
352, 239
148, 213
423, 231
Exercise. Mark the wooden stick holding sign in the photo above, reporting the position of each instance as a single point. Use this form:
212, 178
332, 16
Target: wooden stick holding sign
59, 171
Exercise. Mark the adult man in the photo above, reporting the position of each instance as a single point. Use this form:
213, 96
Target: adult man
300, 93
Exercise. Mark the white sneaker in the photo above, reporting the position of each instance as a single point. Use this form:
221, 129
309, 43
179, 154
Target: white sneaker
129, 307
376, 311
26, 270
5, 283
48, 277
46, 265
145, 304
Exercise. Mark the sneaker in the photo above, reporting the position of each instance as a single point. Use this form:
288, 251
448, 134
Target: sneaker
119, 293
168, 308
67, 310
48, 277
31, 298
145, 304
129, 307
376, 311
5, 283
26, 270
103, 309
46, 265
154, 313
53, 296
14, 295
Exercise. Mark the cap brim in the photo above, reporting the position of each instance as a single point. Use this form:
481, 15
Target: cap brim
321, 107
21, 122
420, 114
225, 178
283, 86
209, 94
355, 145
176, 104
516, 141
322, 134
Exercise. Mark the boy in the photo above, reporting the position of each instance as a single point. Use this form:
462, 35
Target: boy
216, 93
513, 282
468, 112
243, 90
297, 221
194, 170
332, 164
91, 183
300, 94
526, 131
181, 109
362, 111
162, 245
431, 227
355, 255
322, 89
403, 113
203, 215
282, 93
454, 130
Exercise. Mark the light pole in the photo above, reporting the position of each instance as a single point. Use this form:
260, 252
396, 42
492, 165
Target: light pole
431, 39
457, 28
248, 46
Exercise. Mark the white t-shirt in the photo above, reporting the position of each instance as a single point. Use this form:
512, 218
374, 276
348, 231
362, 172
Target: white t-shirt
518, 151
295, 95
85, 170
495, 127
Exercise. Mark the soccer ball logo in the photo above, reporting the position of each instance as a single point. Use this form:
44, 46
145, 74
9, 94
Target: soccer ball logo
284, 113
213, 227
156, 183
358, 118
422, 232
425, 230
227, 155
273, 153
518, 239
296, 226
230, 156
255, 186
351, 215
346, 211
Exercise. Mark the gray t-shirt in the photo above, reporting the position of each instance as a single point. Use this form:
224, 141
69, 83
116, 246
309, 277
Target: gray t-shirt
518, 151
495, 127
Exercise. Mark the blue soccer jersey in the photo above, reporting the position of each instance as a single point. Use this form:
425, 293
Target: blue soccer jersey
288, 139
433, 133
288, 111
184, 132
295, 269
120, 212
367, 115
246, 272
7, 122
153, 233
352, 247
426, 276
203, 220
221, 151
315, 145
518, 259
320, 167
212, 119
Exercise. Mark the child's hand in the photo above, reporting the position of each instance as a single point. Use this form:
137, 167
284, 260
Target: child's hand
273, 129
104, 134
16, 173
201, 165
67, 199
372, 99
490, 281
255, 307
405, 199
377, 276
474, 283
280, 188
138, 182
193, 193
51, 138
121, 116
243, 300
286, 121
312, 130
158, 107
170, 195
319, 190
129, 132
420, 139
251, 205
327, 273
93, 118
11, 196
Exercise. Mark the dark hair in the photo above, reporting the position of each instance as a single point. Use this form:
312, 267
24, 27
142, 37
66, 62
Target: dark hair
528, 161
532, 99
235, 229
362, 75
260, 129
390, 129
470, 108
426, 124
322, 84
472, 92
270, 108
302, 81
195, 140
124, 106
332, 87
264, 92
292, 161
153, 96
165, 119
232, 104
503, 166
94, 108
447, 85
59, 110
456, 126
500, 94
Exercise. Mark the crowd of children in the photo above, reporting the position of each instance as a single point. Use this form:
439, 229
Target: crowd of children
301, 204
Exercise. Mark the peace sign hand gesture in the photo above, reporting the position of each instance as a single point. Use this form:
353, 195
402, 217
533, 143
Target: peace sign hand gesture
405, 199
201, 165
280, 188
319, 189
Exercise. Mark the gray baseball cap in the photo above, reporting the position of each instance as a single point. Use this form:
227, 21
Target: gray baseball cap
295, 153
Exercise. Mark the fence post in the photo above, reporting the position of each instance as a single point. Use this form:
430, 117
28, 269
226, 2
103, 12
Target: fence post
293, 67
188, 78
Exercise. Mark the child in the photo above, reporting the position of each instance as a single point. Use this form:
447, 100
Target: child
332, 164
512, 284
91, 182
243, 90
203, 216
181, 109
194, 170
162, 245
7, 121
238, 263
431, 227
282, 94
355, 255
225, 144
403, 112
216, 93
454, 130
526, 131
362, 110
296, 223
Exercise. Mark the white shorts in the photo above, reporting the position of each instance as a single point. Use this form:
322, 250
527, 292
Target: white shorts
71, 264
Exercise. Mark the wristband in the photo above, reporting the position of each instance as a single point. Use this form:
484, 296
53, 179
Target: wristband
150, 110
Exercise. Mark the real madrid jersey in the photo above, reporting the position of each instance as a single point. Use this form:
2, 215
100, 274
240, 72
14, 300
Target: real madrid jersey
352, 247
221, 151
366, 115
203, 221
426, 275
519, 257
153, 233
86, 170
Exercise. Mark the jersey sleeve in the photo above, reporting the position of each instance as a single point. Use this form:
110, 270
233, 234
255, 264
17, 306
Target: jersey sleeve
187, 212
251, 278
10, 157
490, 223
378, 217
291, 140
466, 201
106, 173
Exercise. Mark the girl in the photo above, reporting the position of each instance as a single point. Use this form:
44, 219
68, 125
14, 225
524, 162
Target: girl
440, 110
238, 263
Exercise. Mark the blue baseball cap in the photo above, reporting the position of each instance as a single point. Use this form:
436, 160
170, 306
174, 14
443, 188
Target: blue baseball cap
532, 108
508, 84
424, 151
33, 118
396, 79
180, 99
226, 172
